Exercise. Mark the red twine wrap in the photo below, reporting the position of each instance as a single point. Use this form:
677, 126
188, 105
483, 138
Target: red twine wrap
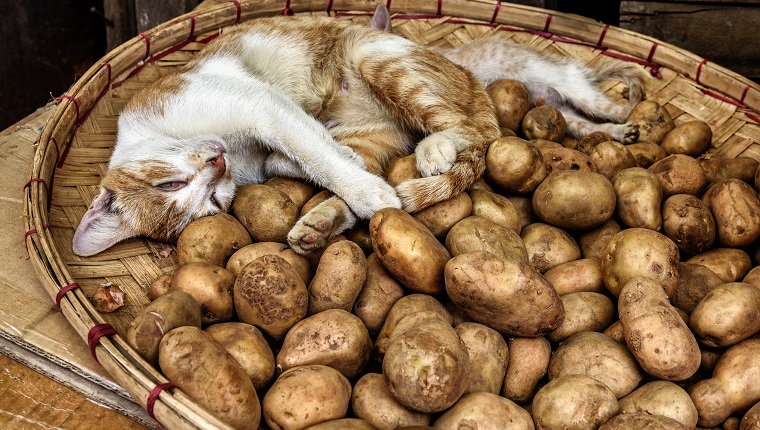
548, 22
288, 11
699, 70
239, 10
147, 44
744, 94
440, 5
154, 393
94, 335
31, 181
62, 292
496, 11
73, 100
601, 36
29, 233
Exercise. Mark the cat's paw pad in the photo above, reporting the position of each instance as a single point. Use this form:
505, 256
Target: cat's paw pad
630, 133
311, 232
435, 156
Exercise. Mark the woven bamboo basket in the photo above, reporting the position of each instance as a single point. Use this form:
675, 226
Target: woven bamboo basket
75, 145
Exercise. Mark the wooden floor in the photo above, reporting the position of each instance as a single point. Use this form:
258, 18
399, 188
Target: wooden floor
30, 400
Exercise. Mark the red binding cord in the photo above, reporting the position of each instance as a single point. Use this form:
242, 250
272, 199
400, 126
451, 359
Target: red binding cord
601, 36
329, 7
154, 393
239, 11
96, 332
29, 183
73, 100
744, 94
440, 5
288, 11
29, 233
147, 44
62, 292
496, 11
548, 22
699, 70
651, 51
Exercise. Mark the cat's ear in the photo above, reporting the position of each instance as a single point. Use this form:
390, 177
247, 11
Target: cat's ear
381, 19
101, 227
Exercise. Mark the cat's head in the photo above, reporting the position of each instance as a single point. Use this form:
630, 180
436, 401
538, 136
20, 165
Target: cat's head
156, 197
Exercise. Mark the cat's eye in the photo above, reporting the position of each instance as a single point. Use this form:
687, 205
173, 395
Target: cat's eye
171, 186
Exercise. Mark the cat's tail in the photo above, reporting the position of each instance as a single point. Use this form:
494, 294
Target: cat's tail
629, 74
418, 194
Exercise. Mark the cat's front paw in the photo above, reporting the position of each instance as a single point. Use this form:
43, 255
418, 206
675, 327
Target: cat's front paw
628, 133
311, 232
435, 155
369, 194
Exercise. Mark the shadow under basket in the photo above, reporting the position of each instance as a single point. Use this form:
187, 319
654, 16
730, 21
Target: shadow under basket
75, 145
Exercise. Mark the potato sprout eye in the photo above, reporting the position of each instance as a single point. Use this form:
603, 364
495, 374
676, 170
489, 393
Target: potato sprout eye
171, 186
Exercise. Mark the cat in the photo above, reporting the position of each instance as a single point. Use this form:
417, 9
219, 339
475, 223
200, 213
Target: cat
327, 101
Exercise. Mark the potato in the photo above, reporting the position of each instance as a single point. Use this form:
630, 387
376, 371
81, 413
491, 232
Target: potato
655, 333
611, 157
474, 234
212, 239
646, 153
591, 140
339, 278
691, 138
487, 348
333, 337
573, 402
408, 250
661, 398
527, 364
735, 207
524, 207
733, 386
654, 121
271, 295
206, 373
266, 212
343, 424
694, 282
751, 419
402, 169
505, 295
299, 191
211, 286
577, 276
753, 277
642, 420
496, 208
489, 411
727, 315
574, 200
548, 246
689, 223
314, 201
426, 367
543, 144
717, 168
544, 122
171, 310
593, 242
246, 254
639, 197
373, 402
514, 165
160, 286
304, 396
729, 264
380, 292
583, 312
679, 174
249, 348
600, 357
615, 332
511, 101
638, 252
440, 217
566, 159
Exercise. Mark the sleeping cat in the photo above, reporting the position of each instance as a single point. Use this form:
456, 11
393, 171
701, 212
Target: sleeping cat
323, 100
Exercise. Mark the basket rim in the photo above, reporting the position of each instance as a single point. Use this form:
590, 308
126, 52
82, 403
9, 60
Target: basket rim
139, 379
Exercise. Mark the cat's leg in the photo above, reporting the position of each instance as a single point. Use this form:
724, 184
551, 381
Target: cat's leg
579, 126
588, 99
277, 164
327, 219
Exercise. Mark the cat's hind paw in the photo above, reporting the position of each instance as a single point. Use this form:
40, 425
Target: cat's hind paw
629, 133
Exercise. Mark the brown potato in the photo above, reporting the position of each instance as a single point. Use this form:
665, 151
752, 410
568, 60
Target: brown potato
717, 168
314, 201
373, 402
402, 169
479, 234
305, 396
583, 312
615, 332
566, 159
589, 141
505, 295
171, 310
299, 191
679, 174
639, 197
359, 234
751, 420
380, 292
543, 144
655, 333
730, 264
246, 254
574, 200
733, 386
408, 250
593, 242
639, 252
266, 212
426, 367
573, 402
654, 121
160, 286
646, 153
597, 356
663, 398
343, 424
339, 278
642, 420
212, 239
544, 122
691, 138
689, 223
524, 207
737, 217
211, 286
611, 157
514, 165
727, 315
490, 412
527, 364
271, 295
440, 217
753, 277
577, 276
548, 246
249, 348
497, 208
206, 373
487, 348
511, 100
694, 282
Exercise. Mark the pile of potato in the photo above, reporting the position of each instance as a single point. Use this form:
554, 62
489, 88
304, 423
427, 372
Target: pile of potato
582, 284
